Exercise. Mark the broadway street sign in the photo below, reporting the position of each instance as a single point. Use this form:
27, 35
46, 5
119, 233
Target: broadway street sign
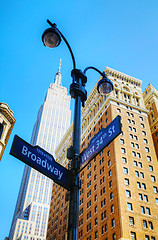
42, 161
100, 141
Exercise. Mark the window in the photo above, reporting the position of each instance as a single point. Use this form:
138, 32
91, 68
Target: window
138, 185
126, 181
144, 223
140, 165
150, 225
118, 110
109, 173
131, 221
142, 209
112, 208
144, 186
122, 141
153, 179
141, 174
133, 236
95, 198
141, 119
88, 227
95, 209
144, 133
138, 155
124, 160
128, 193
108, 153
89, 215
153, 238
96, 221
132, 144
110, 184
135, 137
111, 196
114, 236
145, 198
149, 158
137, 146
147, 237
147, 149
148, 211
137, 173
142, 125
129, 206
113, 222
131, 136
125, 170
123, 150
109, 162
96, 234
156, 199
135, 163
134, 154
140, 196
155, 189
145, 141
134, 130
133, 122
151, 168
1, 129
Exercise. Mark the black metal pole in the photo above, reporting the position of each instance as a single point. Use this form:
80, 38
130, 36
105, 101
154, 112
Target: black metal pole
78, 92
74, 192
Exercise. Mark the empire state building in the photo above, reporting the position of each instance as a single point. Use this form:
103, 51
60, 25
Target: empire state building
33, 203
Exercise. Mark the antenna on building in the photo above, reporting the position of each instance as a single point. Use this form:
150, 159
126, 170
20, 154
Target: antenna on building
57, 79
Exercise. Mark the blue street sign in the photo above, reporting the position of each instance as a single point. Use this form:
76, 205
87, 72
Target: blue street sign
42, 161
100, 141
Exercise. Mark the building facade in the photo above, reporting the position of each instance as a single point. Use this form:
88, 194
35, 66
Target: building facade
119, 190
32, 208
150, 96
7, 121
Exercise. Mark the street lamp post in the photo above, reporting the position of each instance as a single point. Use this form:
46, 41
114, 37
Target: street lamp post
52, 38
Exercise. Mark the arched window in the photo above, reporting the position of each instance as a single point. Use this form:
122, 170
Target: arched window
126, 89
1, 129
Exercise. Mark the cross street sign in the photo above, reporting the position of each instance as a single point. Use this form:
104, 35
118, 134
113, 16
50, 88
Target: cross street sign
42, 161
100, 141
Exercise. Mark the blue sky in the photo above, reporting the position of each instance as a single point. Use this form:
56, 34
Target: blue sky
121, 34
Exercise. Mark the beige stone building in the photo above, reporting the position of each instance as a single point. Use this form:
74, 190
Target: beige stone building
119, 192
7, 121
150, 96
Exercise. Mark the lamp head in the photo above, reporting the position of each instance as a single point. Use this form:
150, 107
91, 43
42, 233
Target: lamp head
51, 37
104, 86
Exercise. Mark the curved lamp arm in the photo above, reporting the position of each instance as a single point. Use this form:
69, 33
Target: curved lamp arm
104, 86
53, 25
103, 74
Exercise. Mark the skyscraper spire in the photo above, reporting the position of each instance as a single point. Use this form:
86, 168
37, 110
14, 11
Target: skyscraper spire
57, 79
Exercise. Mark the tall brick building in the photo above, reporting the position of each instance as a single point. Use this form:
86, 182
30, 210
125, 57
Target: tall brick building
150, 96
119, 192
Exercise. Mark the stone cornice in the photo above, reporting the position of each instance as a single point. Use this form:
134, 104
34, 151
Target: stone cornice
122, 76
7, 112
